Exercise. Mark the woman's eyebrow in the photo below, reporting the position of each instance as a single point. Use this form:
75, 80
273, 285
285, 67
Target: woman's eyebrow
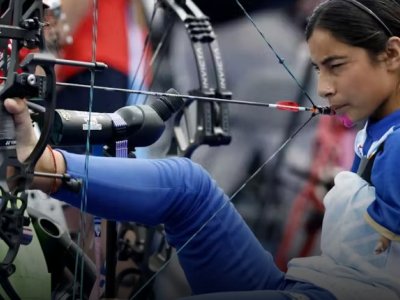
329, 59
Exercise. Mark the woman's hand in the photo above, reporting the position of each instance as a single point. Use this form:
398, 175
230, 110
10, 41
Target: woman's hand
26, 139
25, 134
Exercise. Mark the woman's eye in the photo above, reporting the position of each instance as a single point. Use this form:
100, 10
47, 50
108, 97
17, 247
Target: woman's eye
335, 66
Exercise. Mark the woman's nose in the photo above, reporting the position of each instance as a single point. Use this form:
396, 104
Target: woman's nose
325, 87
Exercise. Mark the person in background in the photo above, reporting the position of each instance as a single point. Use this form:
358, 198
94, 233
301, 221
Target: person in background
119, 43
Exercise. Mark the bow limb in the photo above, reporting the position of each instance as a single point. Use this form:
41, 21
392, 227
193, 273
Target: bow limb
211, 120
200, 122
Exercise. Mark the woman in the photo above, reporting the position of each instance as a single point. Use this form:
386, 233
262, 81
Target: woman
356, 50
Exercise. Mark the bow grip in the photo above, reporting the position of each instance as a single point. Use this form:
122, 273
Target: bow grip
7, 130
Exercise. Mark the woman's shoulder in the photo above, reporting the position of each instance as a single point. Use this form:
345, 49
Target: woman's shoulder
393, 139
388, 156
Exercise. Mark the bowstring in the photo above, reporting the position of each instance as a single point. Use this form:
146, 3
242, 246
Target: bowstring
83, 208
145, 50
157, 51
281, 60
148, 70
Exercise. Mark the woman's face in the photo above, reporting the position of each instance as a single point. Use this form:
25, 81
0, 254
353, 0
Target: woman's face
353, 83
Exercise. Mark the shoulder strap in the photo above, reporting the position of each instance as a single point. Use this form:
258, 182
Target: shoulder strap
365, 166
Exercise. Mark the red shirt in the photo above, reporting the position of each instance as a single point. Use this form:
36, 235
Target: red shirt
112, 39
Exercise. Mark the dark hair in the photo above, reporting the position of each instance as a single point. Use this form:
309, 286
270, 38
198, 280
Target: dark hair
354, 26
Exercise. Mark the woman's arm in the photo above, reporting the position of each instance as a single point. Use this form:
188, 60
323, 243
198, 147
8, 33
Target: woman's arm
383, 213
220, 252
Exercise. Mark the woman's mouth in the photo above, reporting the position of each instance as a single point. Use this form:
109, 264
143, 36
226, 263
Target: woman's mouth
339, 108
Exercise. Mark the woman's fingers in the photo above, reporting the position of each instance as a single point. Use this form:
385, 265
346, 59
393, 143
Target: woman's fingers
24, 133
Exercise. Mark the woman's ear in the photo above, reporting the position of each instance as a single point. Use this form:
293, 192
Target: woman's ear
393, 53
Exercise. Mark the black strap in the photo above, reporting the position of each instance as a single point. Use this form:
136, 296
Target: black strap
365, 166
